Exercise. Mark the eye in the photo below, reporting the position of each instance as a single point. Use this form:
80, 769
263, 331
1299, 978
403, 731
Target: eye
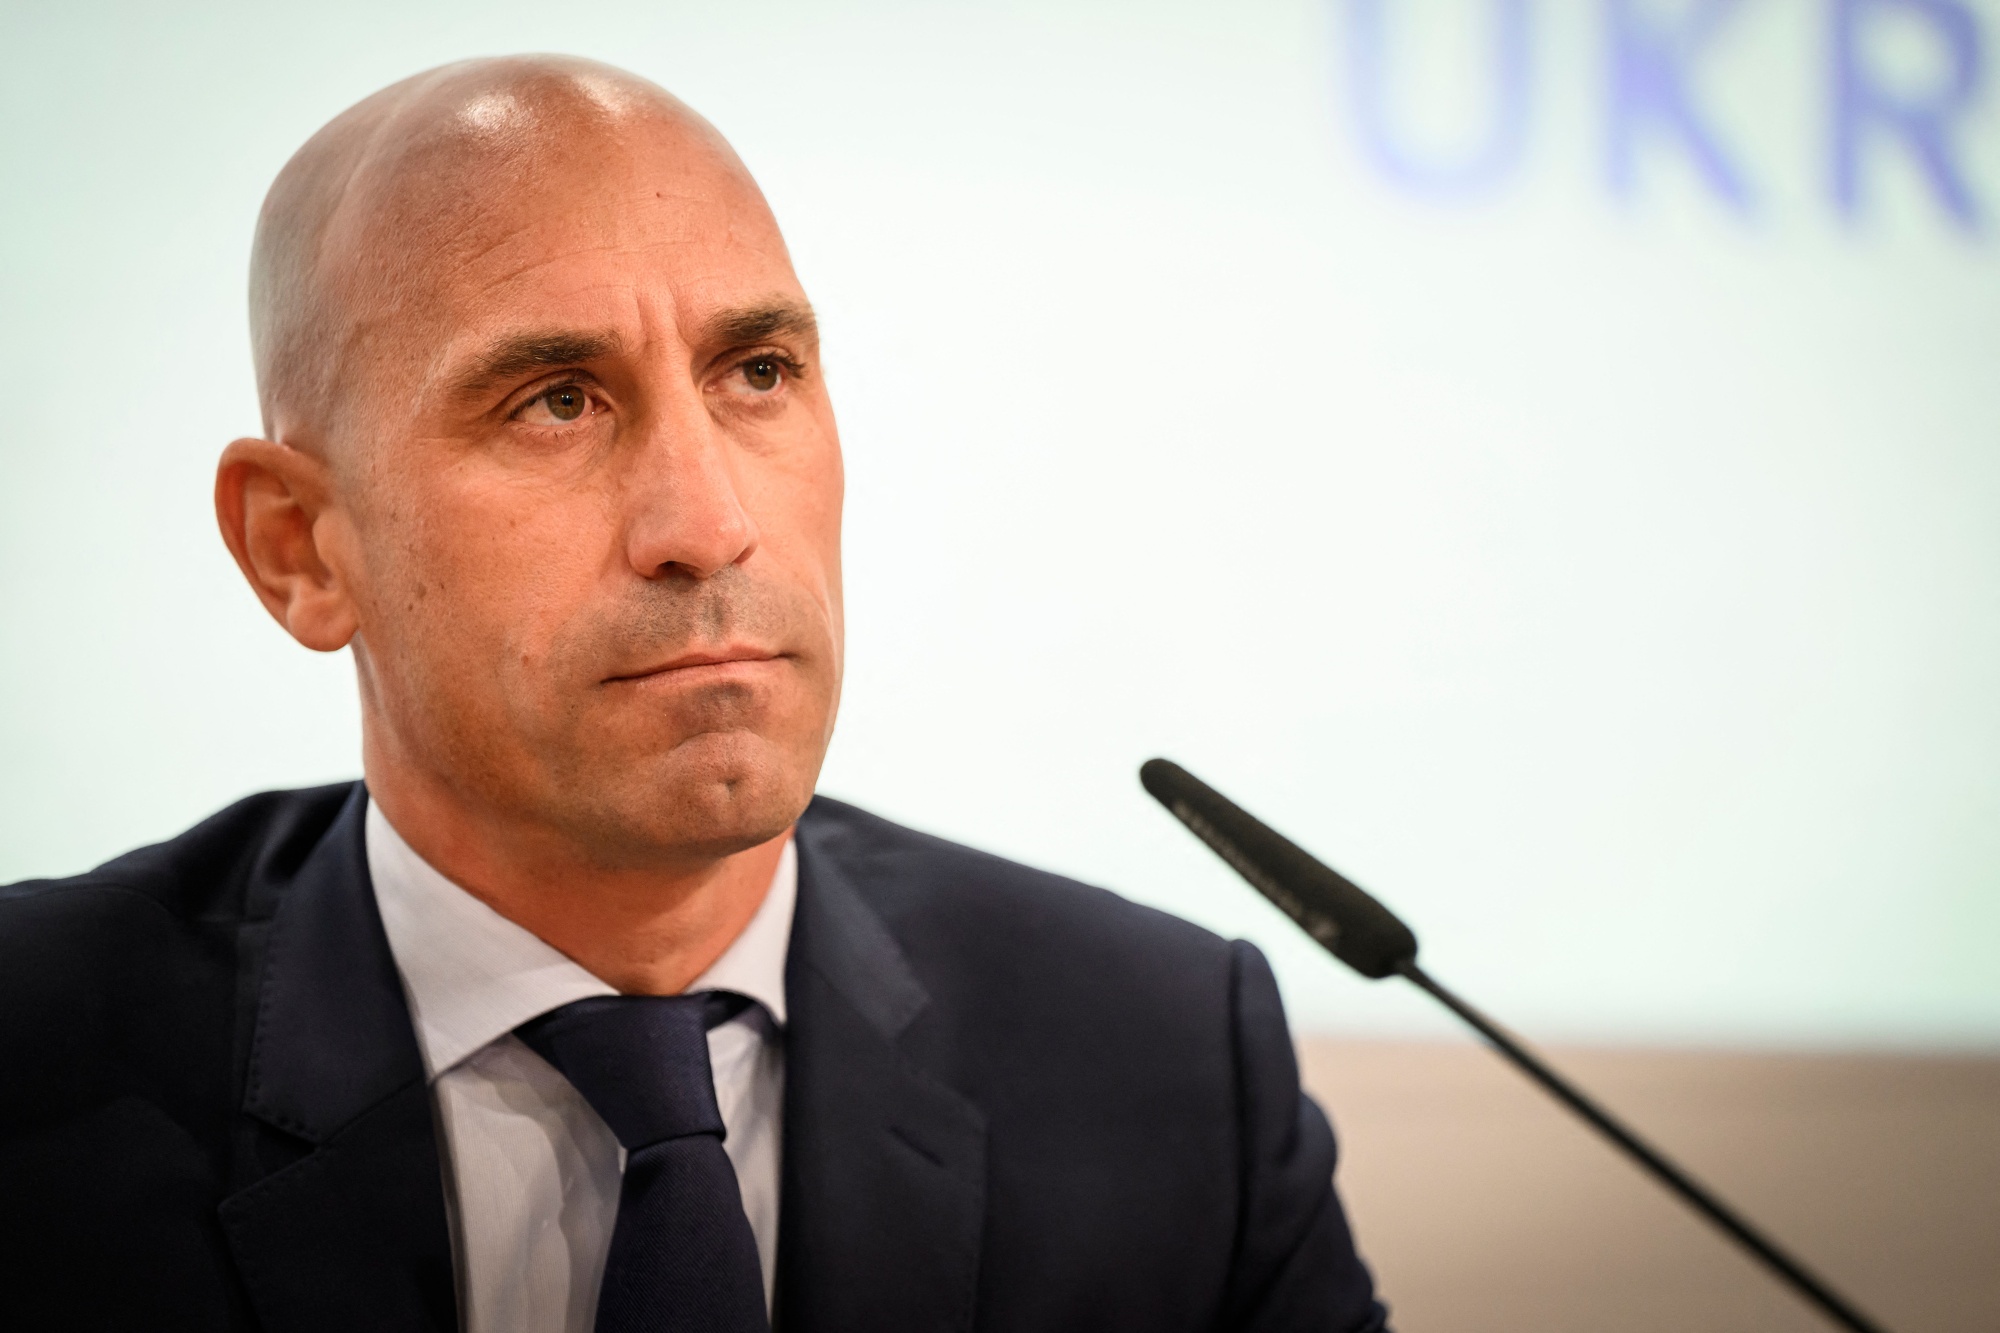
763, 373
558, 407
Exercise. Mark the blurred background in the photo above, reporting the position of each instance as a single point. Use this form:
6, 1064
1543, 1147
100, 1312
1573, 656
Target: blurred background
1544, 455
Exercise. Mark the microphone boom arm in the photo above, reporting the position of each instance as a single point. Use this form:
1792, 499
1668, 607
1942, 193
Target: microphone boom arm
1357, 929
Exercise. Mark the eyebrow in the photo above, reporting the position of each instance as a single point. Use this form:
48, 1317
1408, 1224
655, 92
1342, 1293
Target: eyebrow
518, 354
760, 323
522, 353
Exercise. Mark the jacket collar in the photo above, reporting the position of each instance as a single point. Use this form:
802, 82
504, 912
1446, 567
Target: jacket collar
353, 1234
333, 1035
884, 1173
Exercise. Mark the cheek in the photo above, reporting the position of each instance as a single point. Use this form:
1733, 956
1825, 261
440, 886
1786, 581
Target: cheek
479, 581
530, 569
800, 517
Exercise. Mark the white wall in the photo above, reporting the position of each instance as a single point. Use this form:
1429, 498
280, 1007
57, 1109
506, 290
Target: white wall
1609, 580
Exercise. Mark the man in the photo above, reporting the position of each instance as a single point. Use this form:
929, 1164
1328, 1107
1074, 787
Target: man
583, 1012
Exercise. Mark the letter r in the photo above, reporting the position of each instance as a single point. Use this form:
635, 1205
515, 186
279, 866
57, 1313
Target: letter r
1862, 103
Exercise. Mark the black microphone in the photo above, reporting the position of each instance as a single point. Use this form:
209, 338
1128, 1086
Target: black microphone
1358, 930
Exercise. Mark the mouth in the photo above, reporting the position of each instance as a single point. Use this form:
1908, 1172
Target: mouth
700, 664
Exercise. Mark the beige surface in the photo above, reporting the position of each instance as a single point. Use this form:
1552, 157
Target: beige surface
1485, 1208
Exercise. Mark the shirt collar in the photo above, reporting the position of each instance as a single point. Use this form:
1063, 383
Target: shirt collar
472, 976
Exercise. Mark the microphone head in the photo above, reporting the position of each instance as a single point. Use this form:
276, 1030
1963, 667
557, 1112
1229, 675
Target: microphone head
1356, 929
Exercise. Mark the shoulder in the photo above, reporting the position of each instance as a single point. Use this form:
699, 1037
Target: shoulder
146, 936
910, 876
1005, 939
205, 873
1107, 1050
119, 985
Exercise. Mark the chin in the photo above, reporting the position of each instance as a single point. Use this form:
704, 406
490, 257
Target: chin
710, 796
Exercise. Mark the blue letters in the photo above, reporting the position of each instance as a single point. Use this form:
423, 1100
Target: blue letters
1652, 94
1860, 102
1488, 164
1649, 84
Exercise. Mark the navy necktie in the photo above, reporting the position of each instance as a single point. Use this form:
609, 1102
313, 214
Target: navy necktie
683, 1258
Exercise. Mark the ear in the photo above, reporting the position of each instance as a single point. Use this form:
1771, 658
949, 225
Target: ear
274, 504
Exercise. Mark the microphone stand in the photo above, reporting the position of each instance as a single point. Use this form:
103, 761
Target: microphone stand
1691, 1191
1360, 931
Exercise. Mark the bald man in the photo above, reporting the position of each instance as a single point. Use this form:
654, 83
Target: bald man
582, 1011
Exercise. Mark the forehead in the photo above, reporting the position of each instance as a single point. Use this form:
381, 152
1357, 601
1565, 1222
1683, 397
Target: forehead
597, 220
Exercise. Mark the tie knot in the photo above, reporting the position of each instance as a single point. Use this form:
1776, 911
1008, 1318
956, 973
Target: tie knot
641, 1061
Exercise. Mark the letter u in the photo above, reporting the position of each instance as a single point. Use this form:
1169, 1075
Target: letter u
1488, 162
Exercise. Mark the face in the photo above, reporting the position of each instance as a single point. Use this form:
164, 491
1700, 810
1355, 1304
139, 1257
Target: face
592, 486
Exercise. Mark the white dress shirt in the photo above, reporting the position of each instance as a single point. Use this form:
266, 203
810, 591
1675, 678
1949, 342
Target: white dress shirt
532, 1174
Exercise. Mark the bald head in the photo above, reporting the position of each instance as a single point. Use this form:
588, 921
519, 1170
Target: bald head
383, 203
547, 445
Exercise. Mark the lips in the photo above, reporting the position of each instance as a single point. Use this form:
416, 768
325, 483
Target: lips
697, 660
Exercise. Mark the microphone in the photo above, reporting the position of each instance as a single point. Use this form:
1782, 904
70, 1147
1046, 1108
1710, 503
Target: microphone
1358, 930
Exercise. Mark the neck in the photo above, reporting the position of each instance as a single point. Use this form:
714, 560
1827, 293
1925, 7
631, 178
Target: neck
647, 931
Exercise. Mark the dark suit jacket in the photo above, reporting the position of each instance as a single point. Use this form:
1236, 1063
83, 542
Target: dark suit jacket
1012, 1102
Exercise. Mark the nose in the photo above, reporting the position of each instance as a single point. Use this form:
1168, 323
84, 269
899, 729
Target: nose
688, 516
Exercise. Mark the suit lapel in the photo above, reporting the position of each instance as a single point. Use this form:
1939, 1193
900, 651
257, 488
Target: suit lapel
885, 1166
352, 1234
884, 1170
